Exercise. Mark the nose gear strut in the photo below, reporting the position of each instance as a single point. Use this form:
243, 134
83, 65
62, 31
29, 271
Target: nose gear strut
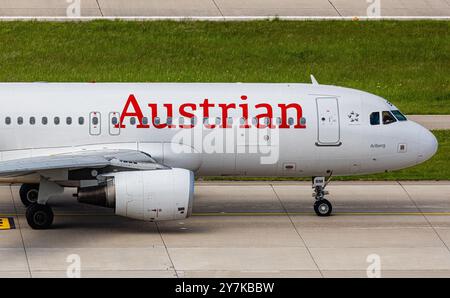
322, 206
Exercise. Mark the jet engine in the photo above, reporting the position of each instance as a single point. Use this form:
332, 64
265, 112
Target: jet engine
154, 195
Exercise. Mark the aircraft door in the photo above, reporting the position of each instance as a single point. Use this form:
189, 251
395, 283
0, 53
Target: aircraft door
328, 131
95, 123
114, 128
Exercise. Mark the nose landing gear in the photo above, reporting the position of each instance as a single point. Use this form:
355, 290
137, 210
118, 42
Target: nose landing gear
322, 206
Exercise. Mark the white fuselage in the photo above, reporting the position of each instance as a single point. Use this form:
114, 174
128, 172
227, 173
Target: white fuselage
332, 134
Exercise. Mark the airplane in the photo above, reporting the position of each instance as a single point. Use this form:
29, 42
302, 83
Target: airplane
136, 147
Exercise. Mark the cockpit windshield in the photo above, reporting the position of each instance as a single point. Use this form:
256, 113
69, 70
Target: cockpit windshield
387, 117
399, 115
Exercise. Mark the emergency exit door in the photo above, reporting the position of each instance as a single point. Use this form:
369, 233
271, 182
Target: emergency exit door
114, 127
328, 132
95, 123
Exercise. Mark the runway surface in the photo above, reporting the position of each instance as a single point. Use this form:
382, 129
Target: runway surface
245, 229
224, 8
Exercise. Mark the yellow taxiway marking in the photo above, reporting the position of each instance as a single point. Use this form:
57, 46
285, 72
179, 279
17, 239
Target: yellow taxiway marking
312, 213
5, 223
260, 214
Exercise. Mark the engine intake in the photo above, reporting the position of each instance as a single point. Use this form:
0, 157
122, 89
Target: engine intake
155, 195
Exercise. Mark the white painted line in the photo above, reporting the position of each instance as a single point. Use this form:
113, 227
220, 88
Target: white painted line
219, 18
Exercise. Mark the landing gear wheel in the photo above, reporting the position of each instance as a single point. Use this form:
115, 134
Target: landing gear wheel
39, 217
29, 194
323, 207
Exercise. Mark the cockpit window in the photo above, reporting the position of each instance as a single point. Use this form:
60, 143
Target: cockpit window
375, 118
388, 118
399, 115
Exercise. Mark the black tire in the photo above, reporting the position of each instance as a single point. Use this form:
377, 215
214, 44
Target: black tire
29, 194
39, 217
323, 207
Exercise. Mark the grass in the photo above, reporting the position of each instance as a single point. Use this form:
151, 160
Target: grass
407, 62
437, 168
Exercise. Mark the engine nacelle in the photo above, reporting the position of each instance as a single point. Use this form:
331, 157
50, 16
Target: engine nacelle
155, 195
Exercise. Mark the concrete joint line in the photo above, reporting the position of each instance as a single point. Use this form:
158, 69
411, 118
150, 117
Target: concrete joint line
167, 250
296, 230
424, 216
217, 6
99, 7
20, 231
331, 3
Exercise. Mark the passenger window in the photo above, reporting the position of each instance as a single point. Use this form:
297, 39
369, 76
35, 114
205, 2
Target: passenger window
114, 120
291, 121
8, 120
20, 120
218, 120
388, 118
32, 120
399, 115
132, 121
157, 121
69, 120
144, 120
169, 120
81, 120
181, 121
56, 120
375, 118
44, 120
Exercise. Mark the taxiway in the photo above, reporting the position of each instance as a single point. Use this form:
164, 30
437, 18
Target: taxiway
223, 9
248, 229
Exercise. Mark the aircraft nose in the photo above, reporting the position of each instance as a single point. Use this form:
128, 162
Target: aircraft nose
428, 145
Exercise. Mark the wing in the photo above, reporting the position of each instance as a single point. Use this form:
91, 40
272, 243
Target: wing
118, 159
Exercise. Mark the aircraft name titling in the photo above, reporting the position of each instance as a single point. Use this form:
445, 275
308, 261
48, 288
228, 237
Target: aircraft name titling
188, 110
